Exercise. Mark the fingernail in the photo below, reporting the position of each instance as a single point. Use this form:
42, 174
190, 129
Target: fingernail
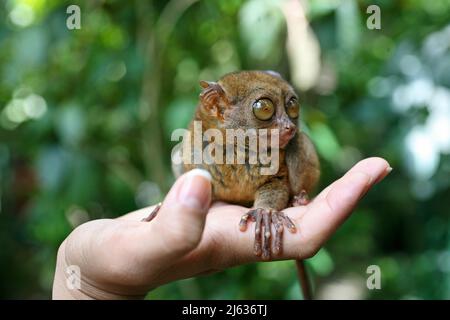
195, 192
388, 169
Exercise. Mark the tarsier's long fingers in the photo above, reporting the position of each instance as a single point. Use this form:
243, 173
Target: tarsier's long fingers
244, 219
153, 214
257, 246
278, 224
288, 222
266, 234
265, 218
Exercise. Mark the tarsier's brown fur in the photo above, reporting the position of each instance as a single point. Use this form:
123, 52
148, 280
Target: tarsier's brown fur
227, 104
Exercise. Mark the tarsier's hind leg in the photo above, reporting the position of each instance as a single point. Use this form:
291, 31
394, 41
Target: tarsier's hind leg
301, 199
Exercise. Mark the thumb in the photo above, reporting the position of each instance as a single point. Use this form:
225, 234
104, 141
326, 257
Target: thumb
181, 219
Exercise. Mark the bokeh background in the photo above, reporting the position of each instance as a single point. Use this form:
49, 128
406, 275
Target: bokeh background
86, 117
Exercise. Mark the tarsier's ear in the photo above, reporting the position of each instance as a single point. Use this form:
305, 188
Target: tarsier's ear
213, 98
273, 73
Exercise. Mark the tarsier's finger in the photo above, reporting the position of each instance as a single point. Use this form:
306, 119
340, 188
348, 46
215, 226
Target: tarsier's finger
244, 220
278, 224
253, 215
257, 245
266, 235
288, 223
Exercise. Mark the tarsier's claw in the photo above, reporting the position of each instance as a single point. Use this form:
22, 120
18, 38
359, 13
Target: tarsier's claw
152, 214
244, 221
264, 246
289, 224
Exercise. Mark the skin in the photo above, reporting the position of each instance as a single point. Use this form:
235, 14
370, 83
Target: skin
125, 258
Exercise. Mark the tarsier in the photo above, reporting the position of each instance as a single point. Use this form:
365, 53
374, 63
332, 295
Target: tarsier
259, 99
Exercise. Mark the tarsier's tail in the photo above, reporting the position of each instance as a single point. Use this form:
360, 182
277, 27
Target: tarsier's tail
304, 280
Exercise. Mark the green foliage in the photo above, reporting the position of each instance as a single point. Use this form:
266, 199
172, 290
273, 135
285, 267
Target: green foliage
86, 117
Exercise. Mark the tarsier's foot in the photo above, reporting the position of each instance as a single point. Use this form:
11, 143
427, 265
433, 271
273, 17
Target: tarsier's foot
264, 219
153, 214
301, 199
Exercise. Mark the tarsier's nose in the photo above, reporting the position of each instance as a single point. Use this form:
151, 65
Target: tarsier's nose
287, 132
290, 128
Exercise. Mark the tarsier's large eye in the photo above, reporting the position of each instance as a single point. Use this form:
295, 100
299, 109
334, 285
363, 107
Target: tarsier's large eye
292, 108
263, 109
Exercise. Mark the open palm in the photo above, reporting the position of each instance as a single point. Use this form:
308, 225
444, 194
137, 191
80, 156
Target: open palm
125, 257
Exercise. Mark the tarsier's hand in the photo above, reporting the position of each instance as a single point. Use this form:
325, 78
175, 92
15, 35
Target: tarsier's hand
125, 258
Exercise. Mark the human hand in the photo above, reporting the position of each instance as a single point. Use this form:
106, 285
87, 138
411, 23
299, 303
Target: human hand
125, 258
